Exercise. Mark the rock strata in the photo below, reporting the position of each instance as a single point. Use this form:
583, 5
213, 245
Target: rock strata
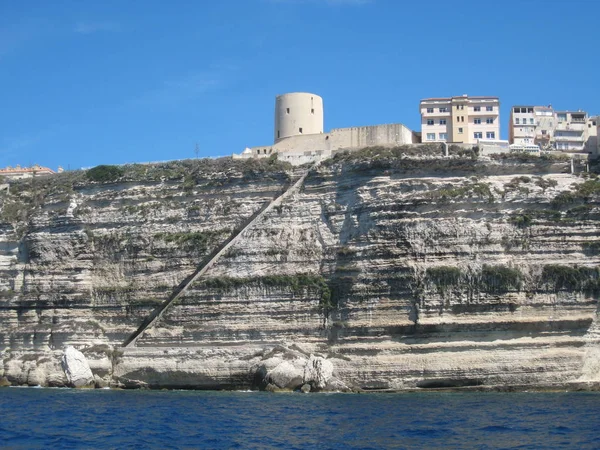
385, 271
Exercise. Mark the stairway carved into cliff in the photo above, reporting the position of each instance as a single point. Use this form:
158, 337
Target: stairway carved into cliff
213, 257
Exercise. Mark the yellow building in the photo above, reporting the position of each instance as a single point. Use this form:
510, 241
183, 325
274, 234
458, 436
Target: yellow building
461, 119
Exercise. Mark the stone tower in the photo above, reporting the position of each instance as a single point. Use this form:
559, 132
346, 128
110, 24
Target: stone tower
298, 113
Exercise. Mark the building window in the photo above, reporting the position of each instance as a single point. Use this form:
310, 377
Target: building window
443, 136
431, 136
300, 130
429, 110
477, 121
489, 108
489, 120
278, 134
443, 110
544, 132
258, 151
478, 135
287, 110
477, 108
531, 121
312, 110
429, 121
442, 121
460, 130
517, 110
562, 117
490, 135
517, 121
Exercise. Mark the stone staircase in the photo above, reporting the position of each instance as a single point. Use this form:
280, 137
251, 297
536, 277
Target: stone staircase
212, 258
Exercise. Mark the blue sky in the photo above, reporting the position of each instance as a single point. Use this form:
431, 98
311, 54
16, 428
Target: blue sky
110, 82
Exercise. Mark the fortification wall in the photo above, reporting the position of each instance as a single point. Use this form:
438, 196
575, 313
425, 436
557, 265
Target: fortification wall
307, 148
369, 136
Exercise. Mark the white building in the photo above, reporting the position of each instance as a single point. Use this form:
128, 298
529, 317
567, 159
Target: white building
461, 119
18, 172
531, 125
570, 131
592, 143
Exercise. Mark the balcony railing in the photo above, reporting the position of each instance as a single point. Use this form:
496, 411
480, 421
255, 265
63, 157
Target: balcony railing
578, 139
570, 126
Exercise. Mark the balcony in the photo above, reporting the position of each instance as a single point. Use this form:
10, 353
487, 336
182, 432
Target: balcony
576, 139
570, 126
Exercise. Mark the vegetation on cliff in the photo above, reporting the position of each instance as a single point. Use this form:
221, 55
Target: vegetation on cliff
298, 284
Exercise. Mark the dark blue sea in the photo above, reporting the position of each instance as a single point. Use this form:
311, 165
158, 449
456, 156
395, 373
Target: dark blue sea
64, 418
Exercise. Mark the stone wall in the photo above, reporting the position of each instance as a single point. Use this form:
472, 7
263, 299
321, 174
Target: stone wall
311, 147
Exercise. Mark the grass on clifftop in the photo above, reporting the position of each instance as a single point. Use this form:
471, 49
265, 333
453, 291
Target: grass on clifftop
27, 195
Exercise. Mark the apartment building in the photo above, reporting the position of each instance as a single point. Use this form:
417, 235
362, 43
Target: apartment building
570, 131
18, 172
531, 125
592, 143
461, 119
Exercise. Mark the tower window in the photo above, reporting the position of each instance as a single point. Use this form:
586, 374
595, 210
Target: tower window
278, 134
300, 130
287, 110
312, 111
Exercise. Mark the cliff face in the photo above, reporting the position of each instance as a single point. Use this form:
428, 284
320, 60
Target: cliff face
381, 272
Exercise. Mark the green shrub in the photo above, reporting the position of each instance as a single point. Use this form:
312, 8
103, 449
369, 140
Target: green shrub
545, 183
500, 279
468, 190
104, 173
577, 279
296, 283
444, 277
521, 220
581, 193
591, 248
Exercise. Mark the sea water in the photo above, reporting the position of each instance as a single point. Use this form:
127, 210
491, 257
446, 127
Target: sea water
65, 418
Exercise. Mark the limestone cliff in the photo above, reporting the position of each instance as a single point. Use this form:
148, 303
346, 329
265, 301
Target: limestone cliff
385, 270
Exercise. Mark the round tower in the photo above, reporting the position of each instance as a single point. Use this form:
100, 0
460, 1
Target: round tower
298, 113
